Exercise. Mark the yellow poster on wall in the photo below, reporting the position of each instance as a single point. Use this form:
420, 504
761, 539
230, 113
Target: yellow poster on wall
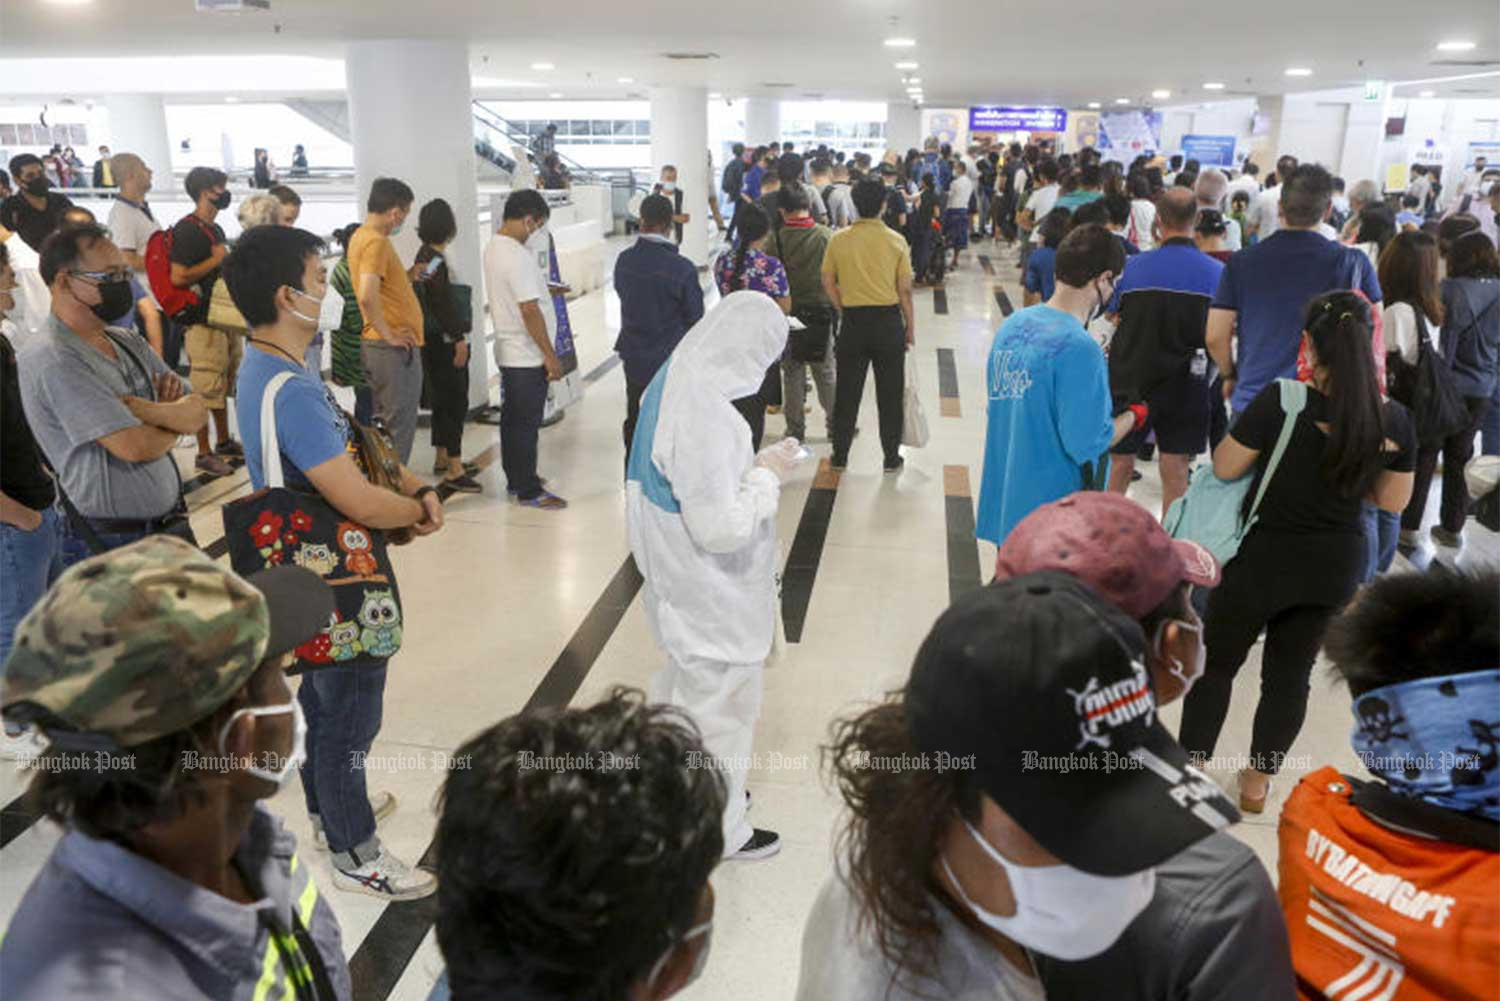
1395, 177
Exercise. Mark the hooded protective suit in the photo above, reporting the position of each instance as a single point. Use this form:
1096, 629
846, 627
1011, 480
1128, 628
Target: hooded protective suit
702, 523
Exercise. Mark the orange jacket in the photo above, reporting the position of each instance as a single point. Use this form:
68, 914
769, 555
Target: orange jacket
1380, 915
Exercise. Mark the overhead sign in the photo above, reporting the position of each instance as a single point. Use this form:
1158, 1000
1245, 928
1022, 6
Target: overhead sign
998, 118
1374, 90
1209, 151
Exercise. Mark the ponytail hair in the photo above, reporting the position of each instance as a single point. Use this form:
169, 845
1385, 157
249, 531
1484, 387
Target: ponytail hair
753, 224
1338, 324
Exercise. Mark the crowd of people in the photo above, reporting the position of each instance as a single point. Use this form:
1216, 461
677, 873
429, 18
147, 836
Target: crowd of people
1019, 823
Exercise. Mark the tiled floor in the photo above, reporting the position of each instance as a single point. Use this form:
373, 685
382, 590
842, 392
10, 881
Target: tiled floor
493, 601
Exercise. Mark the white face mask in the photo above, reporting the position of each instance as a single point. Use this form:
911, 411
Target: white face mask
303, 316
669, 185
298, 754
699, 962
1185, 673
1060, 911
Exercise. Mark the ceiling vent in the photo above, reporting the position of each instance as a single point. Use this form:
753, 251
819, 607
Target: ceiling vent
231, 6
689, 56
1469, 63
778, 86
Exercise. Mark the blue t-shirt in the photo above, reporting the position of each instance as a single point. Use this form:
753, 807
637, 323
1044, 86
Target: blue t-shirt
310, 427
1269, 286
1040, 271
1049, 415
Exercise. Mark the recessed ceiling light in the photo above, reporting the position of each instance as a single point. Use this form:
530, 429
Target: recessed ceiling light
542, 66
1094, 104
900, 43
231, 100
1298, 71
1161, 95
913, 79
1428, 93
907, 65
625, 79
1122, 100
555, 95
1213, 86
1455, 45
715, 96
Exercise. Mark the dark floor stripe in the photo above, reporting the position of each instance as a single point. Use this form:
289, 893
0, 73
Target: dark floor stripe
1003, 301
15, 818
987, 265
602, 369
940, 301
217, 548
947, 383
390, 944
807, 551
964, 574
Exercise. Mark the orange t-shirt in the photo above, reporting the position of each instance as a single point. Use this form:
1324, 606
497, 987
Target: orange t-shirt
1379, 915
371, 252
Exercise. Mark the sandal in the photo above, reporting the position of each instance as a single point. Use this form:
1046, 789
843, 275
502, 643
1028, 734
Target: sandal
1258, 805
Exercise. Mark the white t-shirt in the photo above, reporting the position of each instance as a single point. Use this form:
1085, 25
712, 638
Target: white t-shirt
959, 192
1138, 229
1244, 183
1233, 238
511, 278
131, 229
1041, 202
1401, 323
1264, 212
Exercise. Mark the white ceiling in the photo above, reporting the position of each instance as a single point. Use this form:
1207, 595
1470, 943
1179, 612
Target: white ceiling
970, 51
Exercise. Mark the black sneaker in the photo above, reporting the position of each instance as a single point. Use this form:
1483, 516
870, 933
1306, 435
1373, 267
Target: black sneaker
762, 844
895, 465
838, 465
464, 484
472, 468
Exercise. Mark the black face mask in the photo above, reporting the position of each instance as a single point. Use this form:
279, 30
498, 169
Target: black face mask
222, 201
38, 186
114, 302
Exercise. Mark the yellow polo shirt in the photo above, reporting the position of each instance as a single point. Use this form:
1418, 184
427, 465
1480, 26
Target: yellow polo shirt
866, 260
371, 252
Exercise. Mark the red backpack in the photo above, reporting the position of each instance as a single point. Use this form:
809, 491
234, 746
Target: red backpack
173, 300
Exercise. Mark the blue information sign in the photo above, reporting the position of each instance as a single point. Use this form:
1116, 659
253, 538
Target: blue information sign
997, 118
1209, 151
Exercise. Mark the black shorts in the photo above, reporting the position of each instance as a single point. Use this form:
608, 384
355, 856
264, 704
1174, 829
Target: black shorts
1179, 414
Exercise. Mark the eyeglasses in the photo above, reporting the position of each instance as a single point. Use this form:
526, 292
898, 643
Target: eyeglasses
121, 274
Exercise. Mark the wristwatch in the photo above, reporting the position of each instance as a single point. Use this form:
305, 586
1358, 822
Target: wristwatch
423, 492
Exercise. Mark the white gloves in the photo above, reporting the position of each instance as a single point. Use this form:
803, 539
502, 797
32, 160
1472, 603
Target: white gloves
783, 457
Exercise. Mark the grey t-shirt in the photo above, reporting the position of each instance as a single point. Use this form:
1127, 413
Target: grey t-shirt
71, 392
841, 962
1214, 931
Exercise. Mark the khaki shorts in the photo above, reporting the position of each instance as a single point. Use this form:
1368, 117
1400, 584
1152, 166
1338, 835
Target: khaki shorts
213, 362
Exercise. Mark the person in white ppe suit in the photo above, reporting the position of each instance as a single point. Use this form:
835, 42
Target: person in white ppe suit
701, 513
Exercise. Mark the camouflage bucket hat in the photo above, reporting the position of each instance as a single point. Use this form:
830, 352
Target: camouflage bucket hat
149, 639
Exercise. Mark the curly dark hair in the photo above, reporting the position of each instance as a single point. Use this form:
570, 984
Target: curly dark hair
572, 848
889, 841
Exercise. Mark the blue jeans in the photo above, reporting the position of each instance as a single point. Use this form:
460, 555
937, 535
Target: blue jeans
1382, 529
76, 550
343, 707
523, 397
29, 563
1489, 428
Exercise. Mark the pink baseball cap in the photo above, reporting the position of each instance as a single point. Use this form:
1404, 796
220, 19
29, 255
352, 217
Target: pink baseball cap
1111, 544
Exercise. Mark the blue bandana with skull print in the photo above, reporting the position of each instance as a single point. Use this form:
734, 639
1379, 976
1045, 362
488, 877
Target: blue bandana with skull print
1435, 739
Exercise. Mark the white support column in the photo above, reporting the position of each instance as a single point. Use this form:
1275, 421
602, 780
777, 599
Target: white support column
1266, 148
762, 121
411, 117
903, 126
679, 137
138, 124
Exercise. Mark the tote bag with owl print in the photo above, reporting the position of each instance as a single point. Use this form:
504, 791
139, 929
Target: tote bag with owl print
279, 526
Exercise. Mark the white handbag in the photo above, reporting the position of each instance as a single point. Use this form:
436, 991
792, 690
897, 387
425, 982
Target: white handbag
914, 430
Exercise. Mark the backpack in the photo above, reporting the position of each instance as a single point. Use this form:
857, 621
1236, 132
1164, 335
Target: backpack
173, 300
1209, 513
1428, 391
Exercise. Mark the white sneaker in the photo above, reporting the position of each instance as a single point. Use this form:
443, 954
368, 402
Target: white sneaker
382, 804
23, 746
386, 877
